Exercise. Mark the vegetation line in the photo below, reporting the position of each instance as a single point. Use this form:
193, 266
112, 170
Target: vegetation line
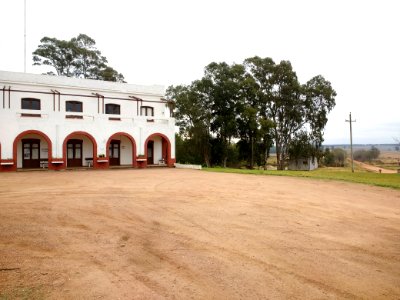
339, 174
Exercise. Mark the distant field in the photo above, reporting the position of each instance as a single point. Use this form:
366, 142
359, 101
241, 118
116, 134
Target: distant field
388, 160
343, 174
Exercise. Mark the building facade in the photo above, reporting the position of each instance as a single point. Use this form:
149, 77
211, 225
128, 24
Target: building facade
59, 122
303, 164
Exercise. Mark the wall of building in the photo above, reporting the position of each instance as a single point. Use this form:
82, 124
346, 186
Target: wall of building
53, 123
43, 148
126, 151
303, 164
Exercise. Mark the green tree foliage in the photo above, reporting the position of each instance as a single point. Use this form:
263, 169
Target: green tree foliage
366, 155
335, 157
77, 57
259, 103
292, 107
222, 87
193, 117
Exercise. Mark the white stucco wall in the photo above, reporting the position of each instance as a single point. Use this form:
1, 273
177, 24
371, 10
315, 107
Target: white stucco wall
126, 151
157, 149
303, 164
54, 124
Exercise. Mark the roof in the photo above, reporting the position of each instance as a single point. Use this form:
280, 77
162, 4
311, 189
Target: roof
10, 78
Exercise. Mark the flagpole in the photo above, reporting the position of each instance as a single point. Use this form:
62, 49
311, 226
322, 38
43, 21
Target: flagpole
24, 36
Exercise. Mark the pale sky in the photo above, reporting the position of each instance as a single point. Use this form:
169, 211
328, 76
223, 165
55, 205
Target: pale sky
354, 44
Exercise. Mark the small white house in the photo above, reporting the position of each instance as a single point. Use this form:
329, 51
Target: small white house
59, 122
303, 164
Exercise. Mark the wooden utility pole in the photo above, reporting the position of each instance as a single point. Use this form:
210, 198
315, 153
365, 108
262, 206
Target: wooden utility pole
351, 142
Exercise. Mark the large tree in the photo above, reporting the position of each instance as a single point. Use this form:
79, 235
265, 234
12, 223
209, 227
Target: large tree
222, 84
193, 116
259, 102
77, 57
292, 107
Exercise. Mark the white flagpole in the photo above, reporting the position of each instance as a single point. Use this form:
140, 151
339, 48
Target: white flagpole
24, 36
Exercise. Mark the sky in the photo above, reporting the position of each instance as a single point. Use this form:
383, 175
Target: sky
354, 44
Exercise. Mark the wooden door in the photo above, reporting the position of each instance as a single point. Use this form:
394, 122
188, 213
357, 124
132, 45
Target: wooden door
150, 152
114, 152
74, 153
31, 153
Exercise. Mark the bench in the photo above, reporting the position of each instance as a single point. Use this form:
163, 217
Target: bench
89, 161
44, 163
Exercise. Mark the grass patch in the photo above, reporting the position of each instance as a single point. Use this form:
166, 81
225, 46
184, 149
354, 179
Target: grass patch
23, 293
342, 174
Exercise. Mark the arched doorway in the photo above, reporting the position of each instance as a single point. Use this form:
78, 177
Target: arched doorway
121, 150
32, 149
158, 150
79, 150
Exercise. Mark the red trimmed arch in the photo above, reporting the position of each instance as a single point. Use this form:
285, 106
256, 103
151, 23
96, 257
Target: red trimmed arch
90, 137
114, 136
37, 132
170, 161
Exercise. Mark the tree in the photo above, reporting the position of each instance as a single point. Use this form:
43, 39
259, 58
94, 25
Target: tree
222, 85
291, 107
193, 116
335, 157
367, 155
56, 53
77, 57
259, 102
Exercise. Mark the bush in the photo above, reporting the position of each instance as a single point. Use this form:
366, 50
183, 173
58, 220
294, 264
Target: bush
366, 155
334, 158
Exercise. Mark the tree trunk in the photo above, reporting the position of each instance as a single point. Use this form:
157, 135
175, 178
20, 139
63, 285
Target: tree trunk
207, 160
252, 154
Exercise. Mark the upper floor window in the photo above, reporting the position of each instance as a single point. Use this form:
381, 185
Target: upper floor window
73, 106
113, 109
147, 111
30, 103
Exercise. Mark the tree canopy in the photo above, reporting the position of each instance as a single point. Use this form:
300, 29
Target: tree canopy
77, 57
259, 103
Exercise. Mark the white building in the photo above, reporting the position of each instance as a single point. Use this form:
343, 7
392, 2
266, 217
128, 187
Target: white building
303, 164
58, 122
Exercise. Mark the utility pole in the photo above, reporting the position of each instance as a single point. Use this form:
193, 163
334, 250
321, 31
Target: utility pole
351, 142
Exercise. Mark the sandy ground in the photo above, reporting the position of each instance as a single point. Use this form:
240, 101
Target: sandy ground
374, 168
185, 234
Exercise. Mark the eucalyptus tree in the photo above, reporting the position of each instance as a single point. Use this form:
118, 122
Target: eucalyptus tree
193, 115
77, 57
222, 84
290, 106
58, 54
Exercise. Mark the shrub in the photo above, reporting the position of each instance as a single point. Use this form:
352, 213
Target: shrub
367, 155
334, 158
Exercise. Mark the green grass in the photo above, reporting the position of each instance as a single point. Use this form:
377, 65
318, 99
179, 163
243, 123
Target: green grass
342, 174
23, 293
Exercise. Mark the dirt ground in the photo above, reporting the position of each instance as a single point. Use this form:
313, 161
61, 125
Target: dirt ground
185, 234
373, 168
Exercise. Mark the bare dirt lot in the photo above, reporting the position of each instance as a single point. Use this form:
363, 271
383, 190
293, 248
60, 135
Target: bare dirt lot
184, 234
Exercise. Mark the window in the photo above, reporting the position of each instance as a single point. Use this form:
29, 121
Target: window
113, 109
147, 111
73, 106
30, 103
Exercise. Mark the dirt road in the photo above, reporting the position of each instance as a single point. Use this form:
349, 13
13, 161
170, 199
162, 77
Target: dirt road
374, 168
184, 234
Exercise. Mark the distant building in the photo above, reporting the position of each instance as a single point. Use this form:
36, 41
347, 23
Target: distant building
303, 164
58, 122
